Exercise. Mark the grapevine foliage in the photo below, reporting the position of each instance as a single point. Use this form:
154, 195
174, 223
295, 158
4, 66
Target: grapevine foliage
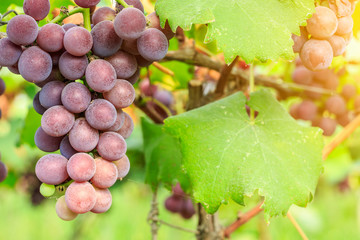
162, 156
228, 156
252, 29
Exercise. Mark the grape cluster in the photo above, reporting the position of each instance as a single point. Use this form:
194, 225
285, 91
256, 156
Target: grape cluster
326, 34
325, 111
86, 80
180, 203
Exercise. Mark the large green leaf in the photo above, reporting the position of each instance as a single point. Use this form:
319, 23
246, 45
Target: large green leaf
162, 157
252, 29
228, 156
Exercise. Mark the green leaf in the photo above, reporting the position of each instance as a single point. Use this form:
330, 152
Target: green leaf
162, 157
252, 29
32, 123
228, 156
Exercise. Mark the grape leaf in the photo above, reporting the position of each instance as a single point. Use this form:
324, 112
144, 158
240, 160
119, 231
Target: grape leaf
252, 29
162, 157
227, 156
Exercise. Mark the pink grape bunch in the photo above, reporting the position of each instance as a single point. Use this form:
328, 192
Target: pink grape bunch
326, 34
86, 79
180, 203
325, 111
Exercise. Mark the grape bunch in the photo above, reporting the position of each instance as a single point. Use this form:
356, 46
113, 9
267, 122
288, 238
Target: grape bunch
180, 203
325, 111
86, 79
326, 34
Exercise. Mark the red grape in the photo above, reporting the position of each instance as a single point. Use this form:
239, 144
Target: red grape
57, 121
82, 136
126, 130
323, 23
72, 67
45, 142
22, 30
105, 174
152, 45
130, 23
81, 167
51, 37
63, 211
121, 95
100, 75
75, 97
38, 9
51, 169
123, 167
78, 41
80, 197
103, 200
106, 41
9, 53
111, 146
124, 64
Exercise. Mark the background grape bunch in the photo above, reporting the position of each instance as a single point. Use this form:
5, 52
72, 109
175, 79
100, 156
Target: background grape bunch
180, 203
86, 80
326, 35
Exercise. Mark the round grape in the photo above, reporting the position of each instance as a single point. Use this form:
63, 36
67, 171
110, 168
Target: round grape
51, 169
105, 174
173, 204
121, 95
22, 30
124, 64
80, 197
101, 114
103, 14
106, 41
81, 167
130, 23
63, 211
57, 121
100, 75
50, 94
336, 105
153, 45
323, 23
345, 25
348, 91
187, 209
338, 45
123, 167
142, 62
78, 41
111, 146
35, 65
67, 26
316, 54
47, 190
66, 149
38, 9
9, 53
328, 126
83, 137
307, 110
72, 67
51, 37
75, 97
103, 200
37, 106
130, 46
45, 142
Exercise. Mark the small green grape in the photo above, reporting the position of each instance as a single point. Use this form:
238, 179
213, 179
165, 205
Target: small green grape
47, 190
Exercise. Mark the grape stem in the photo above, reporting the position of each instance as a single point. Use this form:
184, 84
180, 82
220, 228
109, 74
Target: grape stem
123, 3
160, 104
225, 73
64, 13
163, 69
2, 16
297, 226
243, 219
153, 216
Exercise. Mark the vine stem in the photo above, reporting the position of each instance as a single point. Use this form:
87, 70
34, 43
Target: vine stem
64, 14
342, 136
163, 69
225, 73
297, 226
177, 227
123, 3
243, 219
252, 89
153, 216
